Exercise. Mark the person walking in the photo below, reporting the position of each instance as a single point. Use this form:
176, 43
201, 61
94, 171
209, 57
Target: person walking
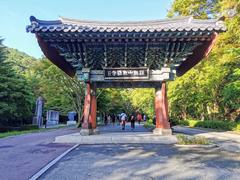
113, 119
109, 119
144, 118
105, 119
118, 119
132, 119
139, 118
123, 118
154, 120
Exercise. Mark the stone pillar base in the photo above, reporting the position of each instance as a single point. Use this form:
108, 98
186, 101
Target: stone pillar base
86, 132
71, 123
162, 132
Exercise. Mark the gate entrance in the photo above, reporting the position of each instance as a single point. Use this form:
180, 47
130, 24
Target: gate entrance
143, 54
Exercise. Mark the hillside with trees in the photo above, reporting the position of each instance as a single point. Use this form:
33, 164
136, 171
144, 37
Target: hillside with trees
16, 97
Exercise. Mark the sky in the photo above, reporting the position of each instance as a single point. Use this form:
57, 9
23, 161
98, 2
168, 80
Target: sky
14, 16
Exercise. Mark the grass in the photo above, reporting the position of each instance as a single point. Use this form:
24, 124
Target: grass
15, 133
192, 140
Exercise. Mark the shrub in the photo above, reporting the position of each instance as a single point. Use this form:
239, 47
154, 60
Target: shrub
18, 128
187, 140
175, 122
29, 127
149, 124
237, 127
192, 123
212, 124
220, 125
184, 123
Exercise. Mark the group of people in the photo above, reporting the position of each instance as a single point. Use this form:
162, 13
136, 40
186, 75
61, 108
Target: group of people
123, 118
110, 119
133, 118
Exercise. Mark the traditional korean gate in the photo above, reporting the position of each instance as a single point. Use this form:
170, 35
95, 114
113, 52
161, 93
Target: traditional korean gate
126, 54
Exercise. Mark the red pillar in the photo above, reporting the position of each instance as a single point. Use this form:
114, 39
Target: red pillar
89, 124
86, 127
161, 111
93, 112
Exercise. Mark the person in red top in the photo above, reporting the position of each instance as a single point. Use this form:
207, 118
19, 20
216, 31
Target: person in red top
139, 118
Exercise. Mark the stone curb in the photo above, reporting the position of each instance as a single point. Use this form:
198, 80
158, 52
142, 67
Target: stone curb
49, 165
197, 145
117, 139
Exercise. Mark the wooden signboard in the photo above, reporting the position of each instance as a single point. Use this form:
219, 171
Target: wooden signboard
126, 73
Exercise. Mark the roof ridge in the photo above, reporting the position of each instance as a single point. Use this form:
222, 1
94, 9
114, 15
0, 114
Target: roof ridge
33, 19
85, 21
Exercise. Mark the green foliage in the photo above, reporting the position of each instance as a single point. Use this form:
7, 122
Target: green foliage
59, 91
114, 101
29, 127
24, 78
149, 124
21, 62
15, 96
128, 100
143, 101
212, 124
175, 122
211, 89
197, 8
231, 90
192, 140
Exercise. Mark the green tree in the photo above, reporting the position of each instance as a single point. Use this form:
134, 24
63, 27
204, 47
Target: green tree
114, 101
143, 101
15, 95
211, 89
200, 9
59, 91
22, 62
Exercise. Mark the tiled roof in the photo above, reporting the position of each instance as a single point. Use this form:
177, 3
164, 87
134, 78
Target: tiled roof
172, 24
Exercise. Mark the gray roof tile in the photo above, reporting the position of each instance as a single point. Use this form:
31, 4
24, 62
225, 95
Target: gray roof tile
173, 24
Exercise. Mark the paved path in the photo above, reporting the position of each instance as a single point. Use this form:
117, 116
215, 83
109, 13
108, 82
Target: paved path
228, 141
114, 134
117, 128
144, 162
24, 155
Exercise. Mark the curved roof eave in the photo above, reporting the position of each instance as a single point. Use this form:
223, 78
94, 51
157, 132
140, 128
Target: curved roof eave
171, 24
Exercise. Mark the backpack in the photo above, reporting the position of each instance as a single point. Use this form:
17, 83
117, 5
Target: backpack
123, 117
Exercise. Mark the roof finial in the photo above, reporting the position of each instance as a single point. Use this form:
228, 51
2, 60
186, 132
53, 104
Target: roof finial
60, 18
32, 18
190, 19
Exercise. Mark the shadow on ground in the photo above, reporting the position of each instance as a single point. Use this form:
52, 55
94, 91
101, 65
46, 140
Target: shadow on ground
145, 161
